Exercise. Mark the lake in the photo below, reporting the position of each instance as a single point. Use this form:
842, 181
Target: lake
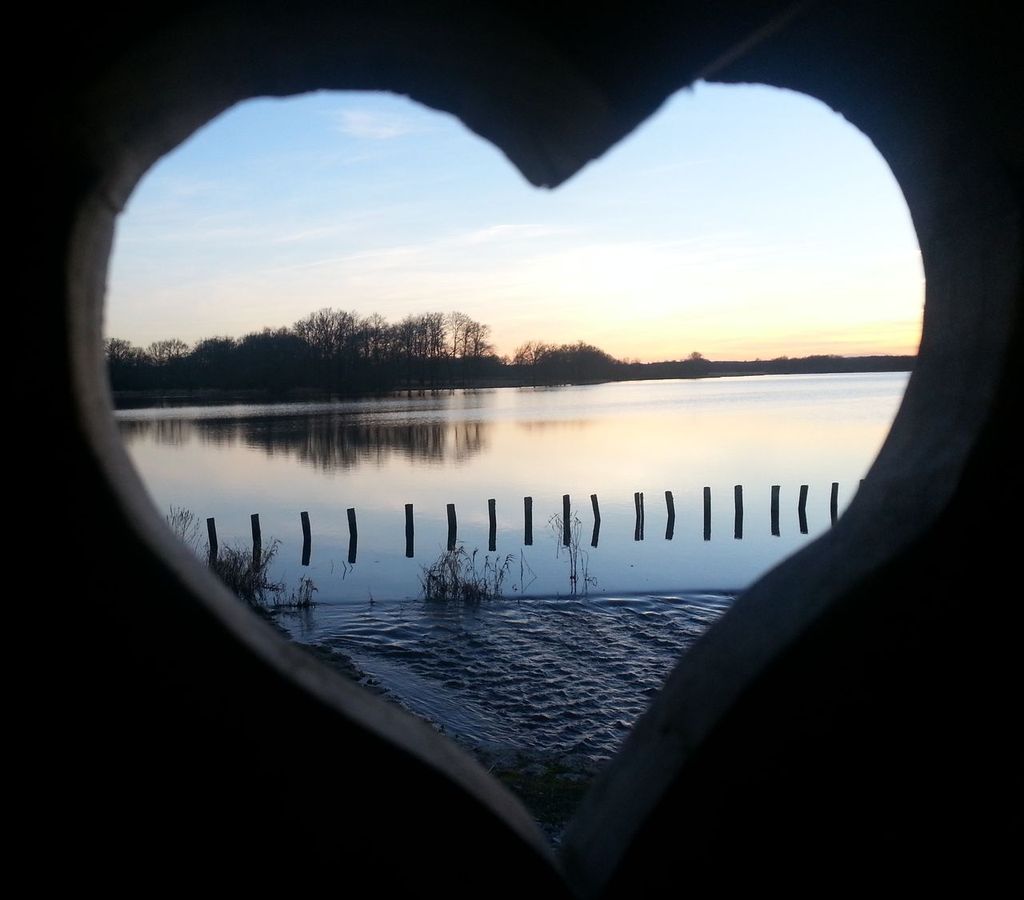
555, 665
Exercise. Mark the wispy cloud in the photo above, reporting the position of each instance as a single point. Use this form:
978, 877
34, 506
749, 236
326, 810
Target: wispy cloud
507, 232
186, 187
314, 233
371, 125
446, 251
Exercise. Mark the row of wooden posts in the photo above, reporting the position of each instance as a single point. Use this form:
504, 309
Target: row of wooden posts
566, 522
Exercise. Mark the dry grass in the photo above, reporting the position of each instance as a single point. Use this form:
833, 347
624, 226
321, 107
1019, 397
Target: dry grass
580, 580
456, 576
246, 575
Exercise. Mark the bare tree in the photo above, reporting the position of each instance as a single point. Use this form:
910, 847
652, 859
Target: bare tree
120, 352
376, 338
477, 341
457, 324
164, 353
529, 355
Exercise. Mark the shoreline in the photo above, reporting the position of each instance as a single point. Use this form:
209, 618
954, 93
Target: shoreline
180, 396
549, 784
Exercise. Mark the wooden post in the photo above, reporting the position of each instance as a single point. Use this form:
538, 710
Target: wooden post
528, 521
597, 521
453, 527
353, 536
492, 532
257, 538
306, 538
566, 525
737, 530
636, 506
802, 509
834, 502
775, 510
211, 534
670, 526
409, 534
707, 513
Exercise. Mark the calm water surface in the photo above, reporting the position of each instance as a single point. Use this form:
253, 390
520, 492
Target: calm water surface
541, 668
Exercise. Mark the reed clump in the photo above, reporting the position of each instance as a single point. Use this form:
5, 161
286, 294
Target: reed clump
245, 574
457, 575
580, 579
248, 576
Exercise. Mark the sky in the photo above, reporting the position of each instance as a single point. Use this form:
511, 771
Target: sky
739, 222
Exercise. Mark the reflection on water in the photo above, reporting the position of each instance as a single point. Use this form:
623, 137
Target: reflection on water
326, 441
577, 425
674, 451
701, 486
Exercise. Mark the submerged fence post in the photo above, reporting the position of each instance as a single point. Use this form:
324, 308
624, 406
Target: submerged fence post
492, 531
707, 513
737, 529
802, 509
670, 526
353, 536
211, 535
257, 538
566, 527
528, 521
453, 527
637, 533
775, 510
306, 537
834, 502
597, 521
409, 535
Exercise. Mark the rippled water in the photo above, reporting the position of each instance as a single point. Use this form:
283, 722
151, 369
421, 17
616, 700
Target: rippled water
559, 676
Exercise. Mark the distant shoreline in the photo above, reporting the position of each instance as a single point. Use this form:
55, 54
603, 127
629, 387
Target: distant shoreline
661, 371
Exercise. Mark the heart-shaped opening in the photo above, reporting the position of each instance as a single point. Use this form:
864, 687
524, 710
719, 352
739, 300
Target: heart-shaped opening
796, 702
748, 222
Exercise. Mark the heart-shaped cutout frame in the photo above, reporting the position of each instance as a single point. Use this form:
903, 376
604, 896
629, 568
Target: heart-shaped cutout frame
716, 742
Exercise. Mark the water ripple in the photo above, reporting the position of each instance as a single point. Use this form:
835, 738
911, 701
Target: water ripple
563, 675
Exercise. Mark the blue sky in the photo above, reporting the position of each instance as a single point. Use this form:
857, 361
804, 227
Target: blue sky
738, 222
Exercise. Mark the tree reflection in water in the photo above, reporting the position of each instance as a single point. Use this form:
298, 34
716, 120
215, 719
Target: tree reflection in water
327, 442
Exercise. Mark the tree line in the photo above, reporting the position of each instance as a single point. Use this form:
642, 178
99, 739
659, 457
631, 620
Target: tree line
342, 352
